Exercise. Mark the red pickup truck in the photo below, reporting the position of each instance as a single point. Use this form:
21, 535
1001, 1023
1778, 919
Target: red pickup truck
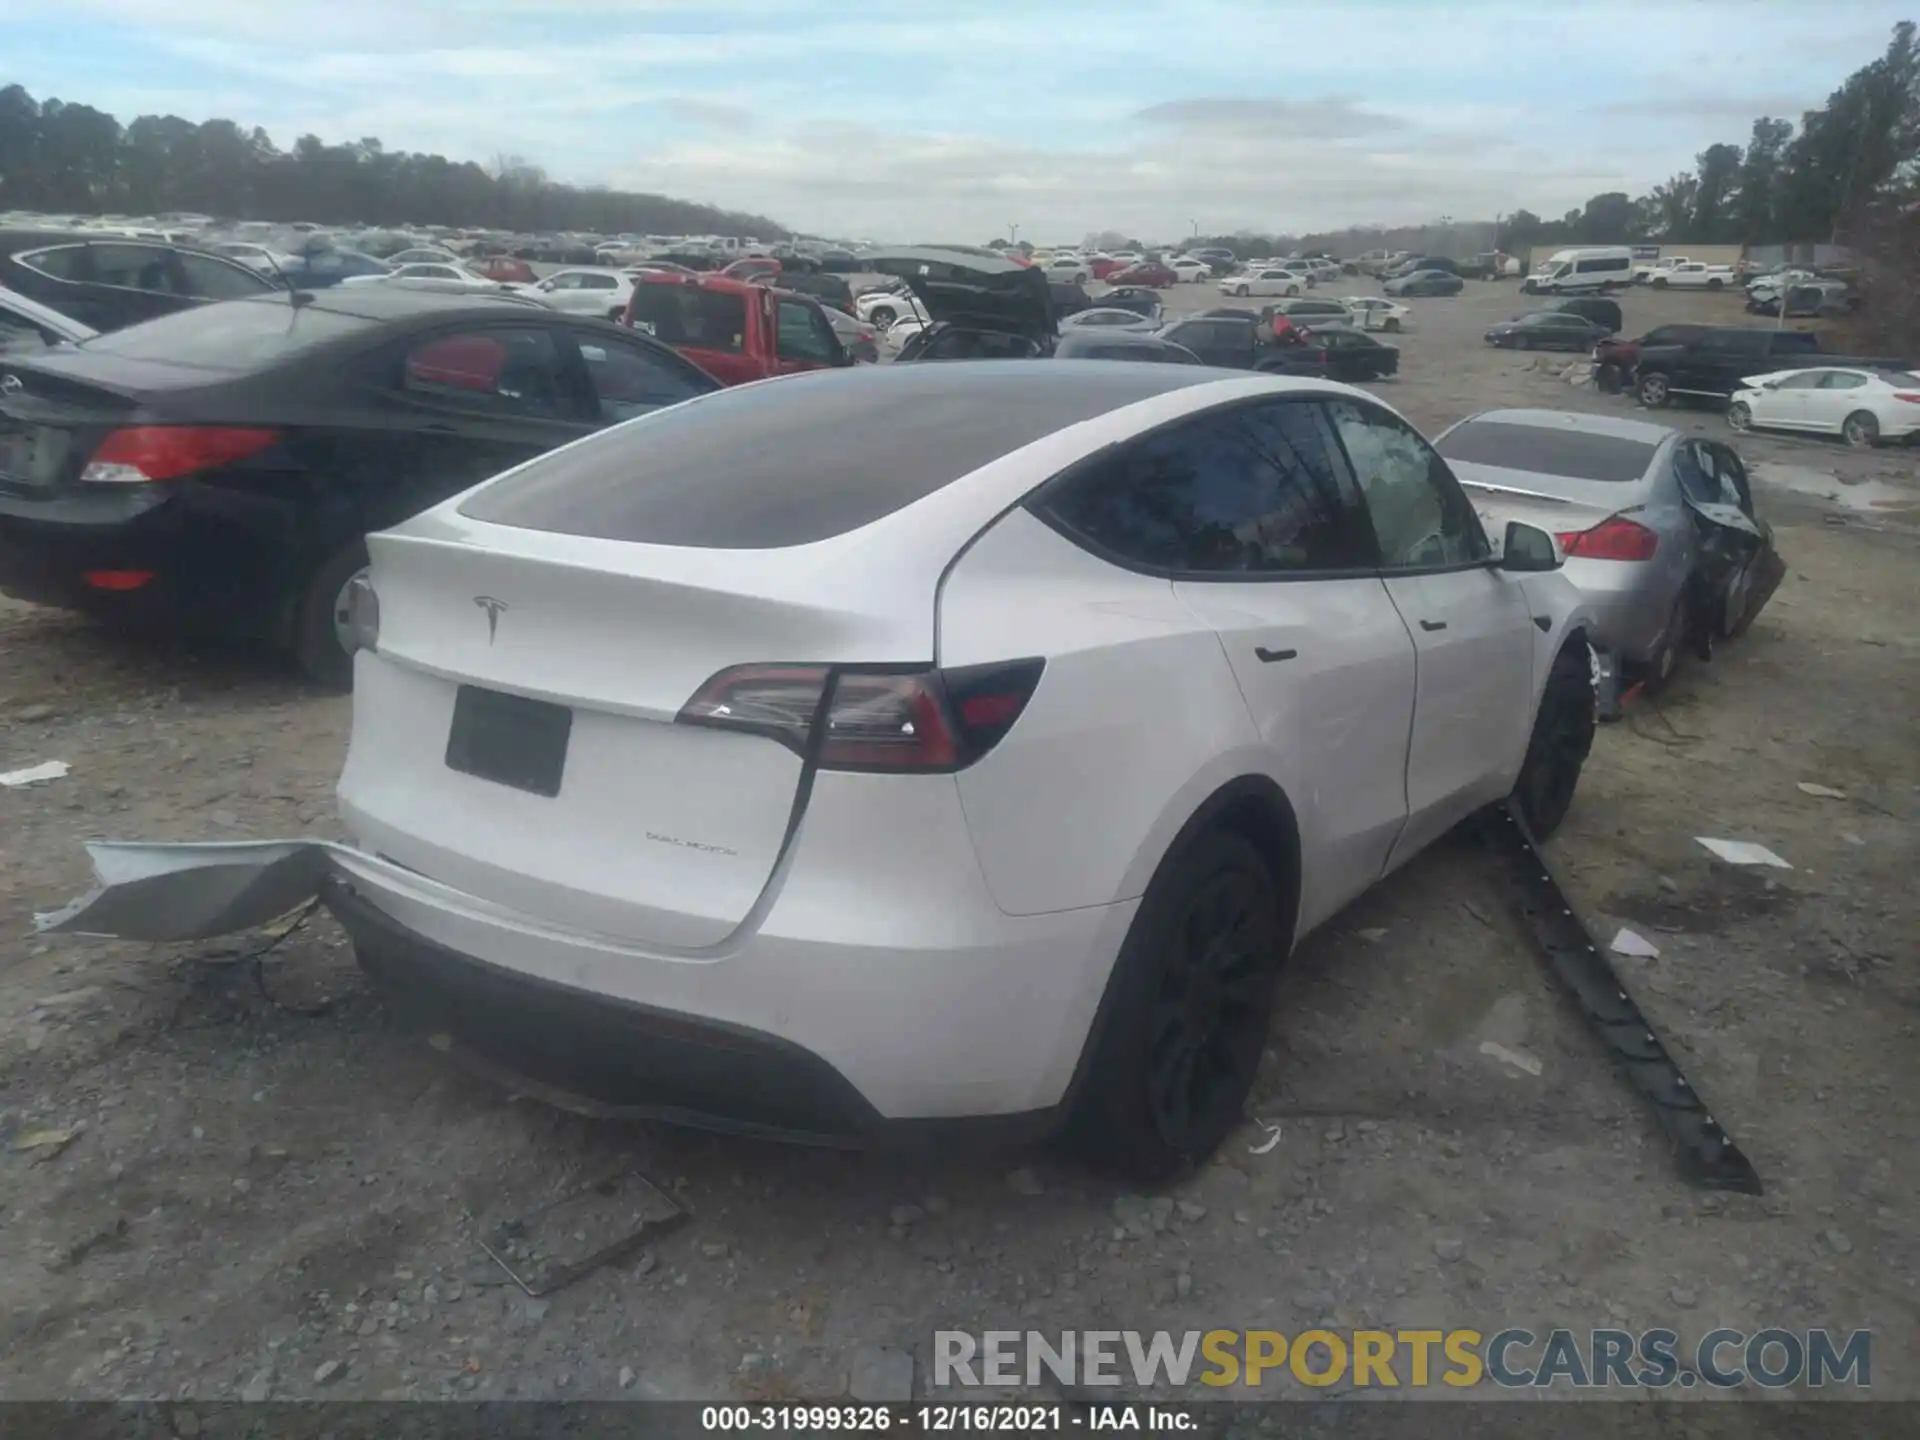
734, 330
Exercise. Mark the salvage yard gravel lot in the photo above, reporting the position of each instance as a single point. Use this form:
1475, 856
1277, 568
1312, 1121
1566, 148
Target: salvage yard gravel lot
275, 1190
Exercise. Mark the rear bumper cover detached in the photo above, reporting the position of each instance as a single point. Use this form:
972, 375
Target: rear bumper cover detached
902, 1048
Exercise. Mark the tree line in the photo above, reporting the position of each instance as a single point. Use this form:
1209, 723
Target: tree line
58, 157
1784, 185
1820, 181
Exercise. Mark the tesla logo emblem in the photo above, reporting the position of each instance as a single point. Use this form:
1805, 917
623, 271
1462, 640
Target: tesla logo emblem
493, 608
11, 383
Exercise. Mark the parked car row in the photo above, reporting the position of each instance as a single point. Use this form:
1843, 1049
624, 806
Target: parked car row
623, 623
1768, 378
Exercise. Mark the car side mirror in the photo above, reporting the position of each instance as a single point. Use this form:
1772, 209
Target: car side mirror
1528, 548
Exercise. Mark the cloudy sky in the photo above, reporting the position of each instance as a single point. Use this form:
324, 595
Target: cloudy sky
915, 120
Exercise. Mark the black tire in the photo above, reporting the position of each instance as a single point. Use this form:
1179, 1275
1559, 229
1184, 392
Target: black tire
1714, 284
882, 316
1213, 912
1660, 282
1293, 290
317, 649
1609, 378
1860, 430
1654, 391
1392, 325
1562, 736
1740, 416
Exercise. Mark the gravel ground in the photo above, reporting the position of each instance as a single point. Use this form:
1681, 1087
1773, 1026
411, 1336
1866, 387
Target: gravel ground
277, 1192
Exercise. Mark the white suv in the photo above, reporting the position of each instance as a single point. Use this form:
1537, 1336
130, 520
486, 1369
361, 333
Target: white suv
586, 292
717, 768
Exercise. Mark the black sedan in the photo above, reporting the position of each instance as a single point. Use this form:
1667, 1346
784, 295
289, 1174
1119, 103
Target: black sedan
219, 470
107, 281
1351, 355
1547, 330
1140, 299
1425, 282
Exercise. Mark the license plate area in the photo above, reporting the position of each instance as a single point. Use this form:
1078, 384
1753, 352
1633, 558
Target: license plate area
29, 456
509, 740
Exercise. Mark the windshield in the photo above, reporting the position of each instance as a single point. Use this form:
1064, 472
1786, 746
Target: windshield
1542, 450
233, 336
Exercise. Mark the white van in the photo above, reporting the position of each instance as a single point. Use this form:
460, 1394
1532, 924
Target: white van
1602, 268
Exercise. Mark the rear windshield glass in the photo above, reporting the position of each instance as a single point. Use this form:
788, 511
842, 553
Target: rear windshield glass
1576, 454
688, 316
814, 456
237, 335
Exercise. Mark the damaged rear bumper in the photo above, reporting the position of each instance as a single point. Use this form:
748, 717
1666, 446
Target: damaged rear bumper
573, 1047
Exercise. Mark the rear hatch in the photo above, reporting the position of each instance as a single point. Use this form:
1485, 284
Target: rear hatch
974, 291
516, 735
524, 732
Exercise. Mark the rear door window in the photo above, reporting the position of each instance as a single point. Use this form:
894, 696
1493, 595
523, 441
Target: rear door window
134, 267
500, 370
1250, 492
629, 380
209, 279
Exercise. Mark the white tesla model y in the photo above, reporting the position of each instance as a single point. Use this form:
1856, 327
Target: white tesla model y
943, 743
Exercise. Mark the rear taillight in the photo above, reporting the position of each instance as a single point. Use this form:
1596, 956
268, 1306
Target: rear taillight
1615, 539
363, 615
1907, 396
890, 721
144, 453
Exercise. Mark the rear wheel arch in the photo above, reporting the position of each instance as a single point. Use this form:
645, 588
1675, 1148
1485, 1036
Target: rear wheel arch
1257, 809
1099, 1109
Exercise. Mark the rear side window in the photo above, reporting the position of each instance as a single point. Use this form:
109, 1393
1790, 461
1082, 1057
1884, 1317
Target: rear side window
62, 262
690, 317
211, 279
1576, 454
133, 267
629, 381
231, 337
1672, 334
500, 371
1247, 492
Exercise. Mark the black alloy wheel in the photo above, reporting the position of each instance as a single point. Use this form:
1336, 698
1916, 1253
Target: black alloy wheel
1562, 736
1185, 1023
1210, 1017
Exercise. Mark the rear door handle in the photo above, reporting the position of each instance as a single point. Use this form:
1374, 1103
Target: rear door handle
1269, 656
1432, 625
